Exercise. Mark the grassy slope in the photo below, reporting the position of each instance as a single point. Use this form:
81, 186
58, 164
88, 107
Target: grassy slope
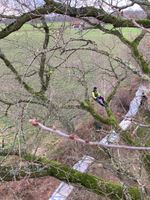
21, 46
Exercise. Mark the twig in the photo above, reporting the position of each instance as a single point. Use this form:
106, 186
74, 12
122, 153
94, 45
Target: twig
36, 123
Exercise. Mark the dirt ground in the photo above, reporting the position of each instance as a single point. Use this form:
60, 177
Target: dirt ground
29, 189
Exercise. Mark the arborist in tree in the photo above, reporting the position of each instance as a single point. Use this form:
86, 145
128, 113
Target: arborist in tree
97, 97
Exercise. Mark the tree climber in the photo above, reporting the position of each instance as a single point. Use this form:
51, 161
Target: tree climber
97, 97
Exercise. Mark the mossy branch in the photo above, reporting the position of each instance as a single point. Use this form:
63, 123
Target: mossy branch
143, 63
111, 120
62, 8
44, 77
45, 167
26, 86
133, 46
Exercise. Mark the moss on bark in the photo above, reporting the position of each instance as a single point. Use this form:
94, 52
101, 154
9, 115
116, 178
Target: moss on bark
140, 59
111, 120
40, 167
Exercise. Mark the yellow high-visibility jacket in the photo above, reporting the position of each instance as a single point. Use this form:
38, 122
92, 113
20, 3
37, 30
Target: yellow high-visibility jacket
95, 94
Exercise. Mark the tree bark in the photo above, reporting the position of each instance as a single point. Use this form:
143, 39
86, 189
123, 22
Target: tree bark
110, 120
62, 8
44, 167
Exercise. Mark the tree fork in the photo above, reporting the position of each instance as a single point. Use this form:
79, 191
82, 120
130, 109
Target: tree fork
111, 120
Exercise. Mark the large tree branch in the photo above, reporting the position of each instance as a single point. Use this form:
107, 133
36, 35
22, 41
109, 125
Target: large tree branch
41, 167
114, 90
45, 167
61, 8
133, 45
15, 72
44, 81
28, 88
110, 120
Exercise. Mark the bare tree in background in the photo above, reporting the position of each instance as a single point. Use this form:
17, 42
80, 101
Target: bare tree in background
48, 71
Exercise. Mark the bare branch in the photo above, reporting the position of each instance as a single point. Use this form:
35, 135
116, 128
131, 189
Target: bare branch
76, 138
118, 7
140, 26
62, 8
